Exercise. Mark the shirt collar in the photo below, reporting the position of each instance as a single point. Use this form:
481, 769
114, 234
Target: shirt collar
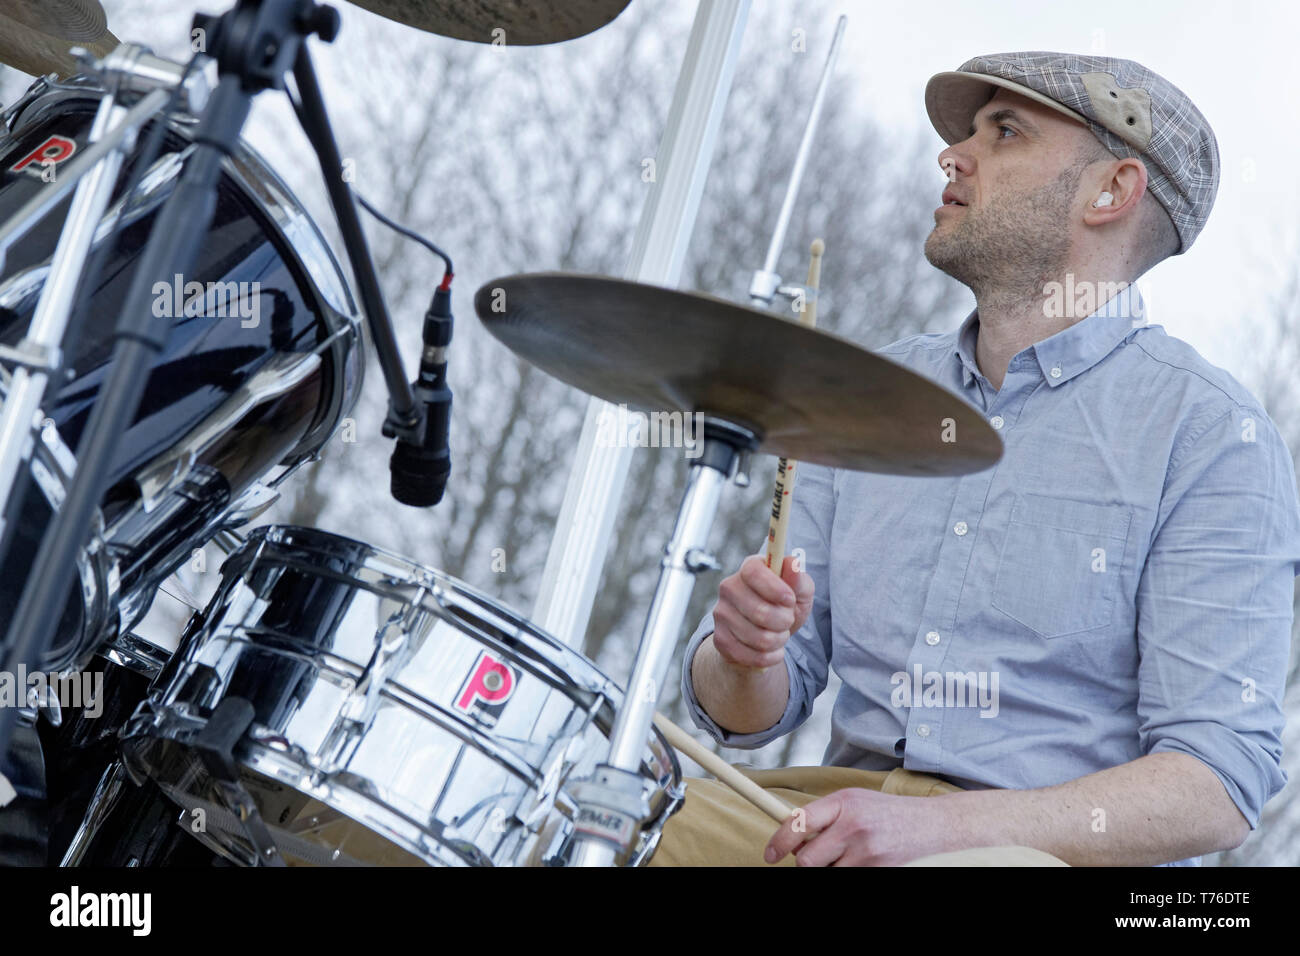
966, 348
1074, 349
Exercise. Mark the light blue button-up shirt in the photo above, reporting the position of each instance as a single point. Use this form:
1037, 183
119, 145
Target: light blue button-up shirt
1119, 584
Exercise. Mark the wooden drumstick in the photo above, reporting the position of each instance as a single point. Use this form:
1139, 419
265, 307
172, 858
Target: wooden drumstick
773, 806
785, 468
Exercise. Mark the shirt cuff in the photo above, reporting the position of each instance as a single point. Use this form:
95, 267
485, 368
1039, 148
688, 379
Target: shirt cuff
1249, 782
790, 719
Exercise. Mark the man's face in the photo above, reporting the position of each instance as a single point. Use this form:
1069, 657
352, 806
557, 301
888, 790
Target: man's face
1016, 189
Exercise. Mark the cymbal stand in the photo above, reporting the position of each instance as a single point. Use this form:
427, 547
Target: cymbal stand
766, 284
612, 802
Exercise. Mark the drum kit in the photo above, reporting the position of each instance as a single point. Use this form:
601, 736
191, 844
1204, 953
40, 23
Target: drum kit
333, 703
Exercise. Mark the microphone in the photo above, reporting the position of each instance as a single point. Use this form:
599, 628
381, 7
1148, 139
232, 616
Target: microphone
420, 467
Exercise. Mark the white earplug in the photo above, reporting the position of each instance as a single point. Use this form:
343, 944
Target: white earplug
1103, 200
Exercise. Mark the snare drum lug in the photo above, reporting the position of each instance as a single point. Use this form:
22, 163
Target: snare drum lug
215, 743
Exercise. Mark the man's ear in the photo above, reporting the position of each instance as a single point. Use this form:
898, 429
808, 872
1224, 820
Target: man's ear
1126, 186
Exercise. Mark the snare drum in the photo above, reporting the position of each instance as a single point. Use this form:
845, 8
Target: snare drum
262, 363
397, 716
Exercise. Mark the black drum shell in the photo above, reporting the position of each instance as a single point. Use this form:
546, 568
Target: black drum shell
207, 358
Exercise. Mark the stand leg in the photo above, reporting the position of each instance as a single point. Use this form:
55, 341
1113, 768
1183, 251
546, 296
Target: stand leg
54, 307
611, 805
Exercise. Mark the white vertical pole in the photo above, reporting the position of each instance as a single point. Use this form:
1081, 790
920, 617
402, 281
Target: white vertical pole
591, 499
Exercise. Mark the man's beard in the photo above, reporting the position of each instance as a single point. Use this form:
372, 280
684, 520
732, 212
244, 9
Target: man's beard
1012, 250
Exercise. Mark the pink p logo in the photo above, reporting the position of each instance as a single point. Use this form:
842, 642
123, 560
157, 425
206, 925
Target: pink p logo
54, 150
490, 682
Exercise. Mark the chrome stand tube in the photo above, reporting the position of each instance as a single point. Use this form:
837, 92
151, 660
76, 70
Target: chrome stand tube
766, 282
611, 804
38, 354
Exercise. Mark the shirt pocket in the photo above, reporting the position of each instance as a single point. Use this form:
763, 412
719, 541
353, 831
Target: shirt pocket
1062, 564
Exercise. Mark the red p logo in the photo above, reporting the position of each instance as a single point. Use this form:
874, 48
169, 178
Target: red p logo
490, 682
54, 150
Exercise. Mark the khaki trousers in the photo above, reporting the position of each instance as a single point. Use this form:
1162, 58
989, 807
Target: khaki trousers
717, 827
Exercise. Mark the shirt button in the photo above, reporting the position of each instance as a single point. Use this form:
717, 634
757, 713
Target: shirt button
1056, 371
923, 730
996, 421
960, 528
932, 638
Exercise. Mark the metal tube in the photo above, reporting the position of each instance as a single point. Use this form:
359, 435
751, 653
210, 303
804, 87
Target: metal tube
664, 621
595, 486
118, 139
54, 308
315, 123
659, 639
765, 283
805, 147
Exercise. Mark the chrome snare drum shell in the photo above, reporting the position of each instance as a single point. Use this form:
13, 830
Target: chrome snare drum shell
399, 716
229, 410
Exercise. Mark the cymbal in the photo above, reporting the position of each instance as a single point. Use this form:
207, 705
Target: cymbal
35, 35
525, 22
811, 395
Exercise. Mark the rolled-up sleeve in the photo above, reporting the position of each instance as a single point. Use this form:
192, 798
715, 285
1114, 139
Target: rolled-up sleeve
808, 652
1215, 605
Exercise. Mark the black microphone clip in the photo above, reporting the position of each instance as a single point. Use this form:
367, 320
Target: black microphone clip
420, 466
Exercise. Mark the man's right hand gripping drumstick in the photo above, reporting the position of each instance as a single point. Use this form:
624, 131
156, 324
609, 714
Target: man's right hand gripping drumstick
739, 672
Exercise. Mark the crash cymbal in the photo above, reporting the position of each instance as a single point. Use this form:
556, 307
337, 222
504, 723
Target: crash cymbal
525, 22
812, 395
35, 35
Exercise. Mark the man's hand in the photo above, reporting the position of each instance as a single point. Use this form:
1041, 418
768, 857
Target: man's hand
757, 612
1157, 809
862, 828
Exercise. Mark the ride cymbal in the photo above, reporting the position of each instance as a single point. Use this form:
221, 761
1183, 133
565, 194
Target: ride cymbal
35, 35
812, 395
525, 22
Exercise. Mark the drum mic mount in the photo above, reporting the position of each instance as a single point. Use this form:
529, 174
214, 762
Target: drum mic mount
420, 467
421, 463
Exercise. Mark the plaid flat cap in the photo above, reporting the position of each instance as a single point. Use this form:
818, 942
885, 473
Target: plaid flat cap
1134, 113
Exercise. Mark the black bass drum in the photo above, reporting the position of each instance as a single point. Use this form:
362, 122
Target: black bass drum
263, 361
